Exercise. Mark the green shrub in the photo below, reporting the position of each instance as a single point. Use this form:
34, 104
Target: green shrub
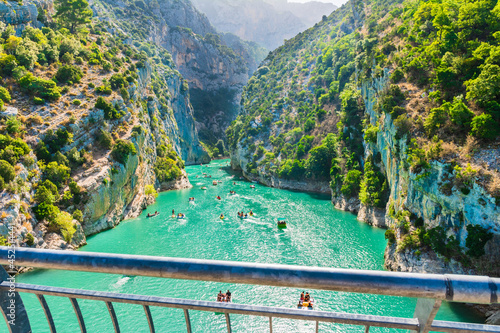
4, 95
397, 76
104, 139
477, 237
44, 195
38, 101
7, 64
110, 112
118, 81
436, 118
166, 169
484, 127
107, 66
39, 87
78, 215
67, 58
460, 114
104, 89
13, 125
373, 188
7, 171
77, 102
46, 211
150, 190
371, 134
63, 223
30, 240
57, 174
309, 125
122, 149
124, 93
390, 236
69, 73
351, 184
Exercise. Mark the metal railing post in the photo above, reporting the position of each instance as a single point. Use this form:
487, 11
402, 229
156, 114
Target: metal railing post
150, 319
228, 323
114, 319
425, 312
79, 315
46, 310
188, 321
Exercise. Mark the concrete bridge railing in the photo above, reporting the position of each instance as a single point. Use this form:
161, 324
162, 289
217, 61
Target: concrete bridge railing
430, 289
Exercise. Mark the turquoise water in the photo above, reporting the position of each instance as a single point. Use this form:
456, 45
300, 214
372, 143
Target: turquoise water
317, 235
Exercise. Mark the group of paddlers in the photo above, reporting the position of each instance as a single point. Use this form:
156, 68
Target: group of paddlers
244, 215
305, 300
224, 297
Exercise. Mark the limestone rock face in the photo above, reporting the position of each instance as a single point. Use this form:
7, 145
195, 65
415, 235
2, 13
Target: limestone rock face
215, 66
239, 161
19, 15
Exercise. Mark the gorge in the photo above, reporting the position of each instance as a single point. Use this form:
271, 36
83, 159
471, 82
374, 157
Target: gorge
390, 108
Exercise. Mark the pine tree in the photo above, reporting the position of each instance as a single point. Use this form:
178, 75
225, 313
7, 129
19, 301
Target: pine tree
72, 13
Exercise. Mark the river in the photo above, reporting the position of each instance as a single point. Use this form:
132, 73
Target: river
317, 235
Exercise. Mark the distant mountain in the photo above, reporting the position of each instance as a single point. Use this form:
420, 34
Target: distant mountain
267, 22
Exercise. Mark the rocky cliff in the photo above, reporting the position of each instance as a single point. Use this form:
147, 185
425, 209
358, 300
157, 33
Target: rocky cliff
215, 66
118, 127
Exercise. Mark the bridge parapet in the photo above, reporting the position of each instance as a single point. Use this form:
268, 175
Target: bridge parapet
430, 289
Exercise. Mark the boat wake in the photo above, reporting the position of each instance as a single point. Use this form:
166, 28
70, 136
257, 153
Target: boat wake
120, 283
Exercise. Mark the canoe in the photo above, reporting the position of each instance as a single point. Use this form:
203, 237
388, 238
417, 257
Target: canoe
281, 225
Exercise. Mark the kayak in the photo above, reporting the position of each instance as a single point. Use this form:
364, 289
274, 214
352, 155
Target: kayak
222, 218
204, 188
252, 186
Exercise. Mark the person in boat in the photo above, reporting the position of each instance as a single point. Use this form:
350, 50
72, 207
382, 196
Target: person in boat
228, 296
250, 213
220, 296
246, 215
307, 298
234, 183
221, 216
218, 197
239, 214
301, 297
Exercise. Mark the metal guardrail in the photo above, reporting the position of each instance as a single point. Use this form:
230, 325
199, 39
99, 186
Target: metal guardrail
431, 289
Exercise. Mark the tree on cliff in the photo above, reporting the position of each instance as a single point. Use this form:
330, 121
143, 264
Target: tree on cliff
71, 14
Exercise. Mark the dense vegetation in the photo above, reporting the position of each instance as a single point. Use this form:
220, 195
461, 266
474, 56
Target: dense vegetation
304, 116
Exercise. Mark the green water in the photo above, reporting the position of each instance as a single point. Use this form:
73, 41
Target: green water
317, 235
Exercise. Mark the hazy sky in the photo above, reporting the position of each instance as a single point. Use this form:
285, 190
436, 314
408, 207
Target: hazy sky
335, 2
